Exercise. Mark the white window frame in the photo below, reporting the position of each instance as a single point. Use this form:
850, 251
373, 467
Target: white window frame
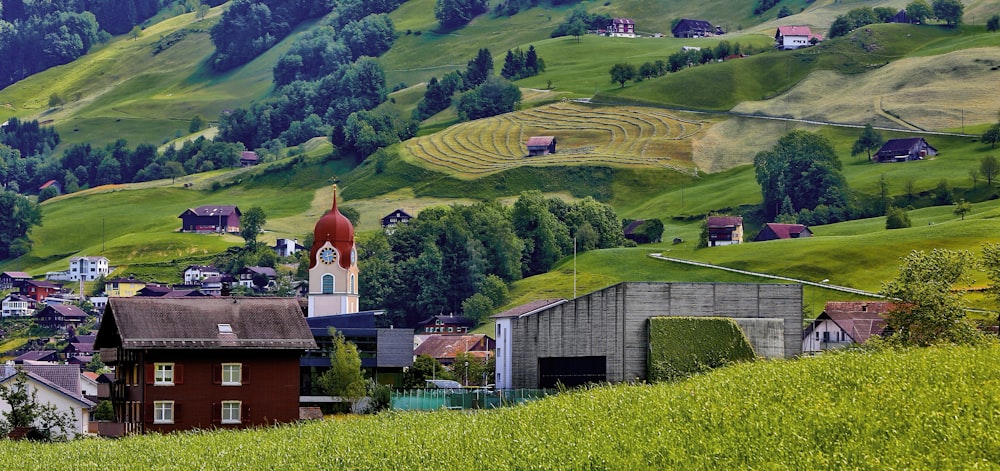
228, 376
163, 374
163, 412
229, 408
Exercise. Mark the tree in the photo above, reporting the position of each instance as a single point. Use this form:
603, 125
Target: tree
135, 33
202, 11
784, 11
576, 29
992, 135
993, 24
26, 411
477, 307
18, 216
196, 124
454, 13
918, 11
424, 367
344, 378
621, 73
896, 218
869, 140
950, 11
495, 96
104, 411
173, 169
803, 167
942, 193
251, 225
928, 308
991, 265
974, 175
990, 168
478, 69
962, 208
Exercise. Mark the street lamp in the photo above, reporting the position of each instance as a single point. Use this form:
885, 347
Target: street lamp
467, 372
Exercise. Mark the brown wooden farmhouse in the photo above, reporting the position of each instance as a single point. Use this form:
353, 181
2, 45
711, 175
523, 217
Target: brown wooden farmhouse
901, 150
197, 363
541, 145
211, 219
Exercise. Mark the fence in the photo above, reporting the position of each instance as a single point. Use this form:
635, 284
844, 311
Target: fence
463, 399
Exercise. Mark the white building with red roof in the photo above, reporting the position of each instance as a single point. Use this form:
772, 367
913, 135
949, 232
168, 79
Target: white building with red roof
794, 37
845, 322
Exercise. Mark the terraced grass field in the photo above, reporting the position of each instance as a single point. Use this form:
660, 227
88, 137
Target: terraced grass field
586, 135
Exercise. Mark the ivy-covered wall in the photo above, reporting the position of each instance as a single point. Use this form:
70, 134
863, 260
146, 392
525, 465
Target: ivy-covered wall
682, 346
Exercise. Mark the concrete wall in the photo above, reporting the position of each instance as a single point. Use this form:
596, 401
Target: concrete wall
613, 323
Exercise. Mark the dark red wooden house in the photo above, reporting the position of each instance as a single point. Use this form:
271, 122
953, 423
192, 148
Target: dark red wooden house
211, 219
197, 363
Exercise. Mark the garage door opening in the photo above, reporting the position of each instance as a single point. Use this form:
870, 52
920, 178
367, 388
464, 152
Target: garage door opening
571, 371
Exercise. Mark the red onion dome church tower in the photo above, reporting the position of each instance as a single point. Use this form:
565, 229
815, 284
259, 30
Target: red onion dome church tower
333, 265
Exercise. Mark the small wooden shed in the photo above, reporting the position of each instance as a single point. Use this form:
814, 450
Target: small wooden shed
541, 145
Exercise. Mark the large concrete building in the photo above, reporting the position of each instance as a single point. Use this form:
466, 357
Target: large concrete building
604, 335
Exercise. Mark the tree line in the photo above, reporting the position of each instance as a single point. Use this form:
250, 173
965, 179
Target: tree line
459, 259
918, 11
485, 94
622, 73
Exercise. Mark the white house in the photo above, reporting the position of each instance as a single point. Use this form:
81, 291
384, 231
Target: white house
287, 247
794, 37
503, 337
193, 274
88, 268
58, 385
845, 322
16, 305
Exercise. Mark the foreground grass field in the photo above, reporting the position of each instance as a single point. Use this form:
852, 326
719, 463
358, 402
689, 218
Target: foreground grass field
932, 408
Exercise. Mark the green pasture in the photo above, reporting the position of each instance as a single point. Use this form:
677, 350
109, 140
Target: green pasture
932, 408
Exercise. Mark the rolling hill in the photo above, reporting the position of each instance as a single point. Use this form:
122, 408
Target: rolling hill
650, 158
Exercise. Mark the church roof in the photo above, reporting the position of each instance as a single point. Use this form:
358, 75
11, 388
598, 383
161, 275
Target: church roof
336, 229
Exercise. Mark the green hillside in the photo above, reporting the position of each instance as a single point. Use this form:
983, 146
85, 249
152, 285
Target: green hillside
931, 408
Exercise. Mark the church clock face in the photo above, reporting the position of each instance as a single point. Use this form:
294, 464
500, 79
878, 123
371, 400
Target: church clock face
328, 255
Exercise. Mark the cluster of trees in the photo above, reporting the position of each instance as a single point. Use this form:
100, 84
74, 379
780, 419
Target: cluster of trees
484, 94
460, 258
578, 22
993, 24
518, 64
326, 83
760, 6
918, 11
250, 27
455, 13
801, 172
622, 73
19, 216
83, 165
37, 35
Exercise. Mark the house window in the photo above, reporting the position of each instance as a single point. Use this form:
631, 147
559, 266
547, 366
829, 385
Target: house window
163, 412
231, 412
163, 374
327, 284
232, 374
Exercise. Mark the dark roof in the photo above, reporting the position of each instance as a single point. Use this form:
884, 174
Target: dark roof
630, 228
126, 280
453, 320
399, 213
529, 308
688, 24
84, 338
785, 231
261, 270
68, 311
901, 146
224, 210
175, 323
17, 274
725, 221
43, 284
36, 355
64, 379
248, 155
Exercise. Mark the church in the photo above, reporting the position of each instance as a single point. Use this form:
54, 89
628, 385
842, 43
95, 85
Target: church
333, 266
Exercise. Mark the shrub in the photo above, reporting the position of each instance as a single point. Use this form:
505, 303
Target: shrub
682, 346
896, 218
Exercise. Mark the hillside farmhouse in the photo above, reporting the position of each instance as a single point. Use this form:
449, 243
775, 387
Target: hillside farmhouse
199, 363
248, 158
397, 217
724, 230
211, 219
621, 28
794, 37
688, 28
845, 322
603, 336
901, 150
541, 145
774, 231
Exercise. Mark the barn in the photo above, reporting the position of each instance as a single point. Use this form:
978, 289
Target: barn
541, 145
211, 219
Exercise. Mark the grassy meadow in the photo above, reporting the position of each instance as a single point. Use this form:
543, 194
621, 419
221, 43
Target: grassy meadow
932, 408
